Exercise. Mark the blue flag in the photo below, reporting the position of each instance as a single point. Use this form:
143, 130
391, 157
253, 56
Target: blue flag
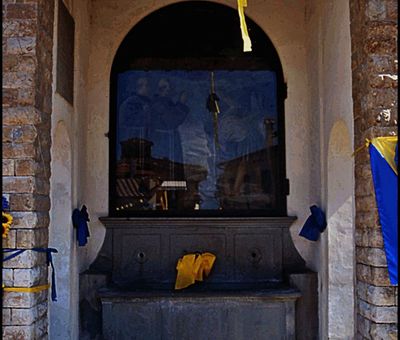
382, 152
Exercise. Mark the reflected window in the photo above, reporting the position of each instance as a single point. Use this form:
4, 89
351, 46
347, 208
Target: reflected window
177, 151
197, 126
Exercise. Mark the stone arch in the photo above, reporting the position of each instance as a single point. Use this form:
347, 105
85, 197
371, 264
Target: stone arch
109, 26
340, 233
62, 313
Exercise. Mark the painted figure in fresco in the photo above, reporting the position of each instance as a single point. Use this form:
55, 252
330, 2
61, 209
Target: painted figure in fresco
134, 112
165, 116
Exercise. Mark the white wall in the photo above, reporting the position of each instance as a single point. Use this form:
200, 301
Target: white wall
330, 102
67, 153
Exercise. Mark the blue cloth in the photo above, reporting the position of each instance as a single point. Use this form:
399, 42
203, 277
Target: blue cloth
385, 184
48, 251
315, 224
79, 221
4, 204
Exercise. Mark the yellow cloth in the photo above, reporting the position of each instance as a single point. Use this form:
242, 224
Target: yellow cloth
243, 26
193, 267
26, 289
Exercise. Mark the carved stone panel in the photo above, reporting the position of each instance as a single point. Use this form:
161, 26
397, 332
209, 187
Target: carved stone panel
258, 258
248, 250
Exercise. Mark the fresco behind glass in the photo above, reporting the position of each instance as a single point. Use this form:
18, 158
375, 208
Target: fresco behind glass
174, 154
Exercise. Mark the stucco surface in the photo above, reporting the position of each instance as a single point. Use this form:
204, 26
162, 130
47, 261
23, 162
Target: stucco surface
332, 183
68, 152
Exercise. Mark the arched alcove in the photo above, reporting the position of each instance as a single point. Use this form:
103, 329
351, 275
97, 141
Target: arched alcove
175, 39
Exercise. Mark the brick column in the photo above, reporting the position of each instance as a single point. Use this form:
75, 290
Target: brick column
27, 97
374, 68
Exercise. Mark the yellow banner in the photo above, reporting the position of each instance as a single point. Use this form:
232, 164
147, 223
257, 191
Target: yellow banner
387, 148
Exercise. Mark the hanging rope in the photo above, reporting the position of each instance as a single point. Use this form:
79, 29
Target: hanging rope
213, 107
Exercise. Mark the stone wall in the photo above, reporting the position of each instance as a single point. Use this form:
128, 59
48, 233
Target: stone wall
27, 77
374, 68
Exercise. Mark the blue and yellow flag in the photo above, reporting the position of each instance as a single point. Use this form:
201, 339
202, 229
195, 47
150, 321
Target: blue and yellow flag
383, 155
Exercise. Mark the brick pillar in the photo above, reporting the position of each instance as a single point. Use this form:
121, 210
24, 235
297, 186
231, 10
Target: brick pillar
27, 97
374, 68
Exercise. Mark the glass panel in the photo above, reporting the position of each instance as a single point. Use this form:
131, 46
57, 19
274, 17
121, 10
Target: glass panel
180, 149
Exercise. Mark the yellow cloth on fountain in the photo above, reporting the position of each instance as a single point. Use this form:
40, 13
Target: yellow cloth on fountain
193, 267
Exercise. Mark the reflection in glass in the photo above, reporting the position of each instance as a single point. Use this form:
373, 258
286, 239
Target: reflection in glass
168, 157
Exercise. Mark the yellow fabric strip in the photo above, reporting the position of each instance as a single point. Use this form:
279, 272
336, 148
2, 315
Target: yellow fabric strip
26, 290
387, 148
192, 267
243, 26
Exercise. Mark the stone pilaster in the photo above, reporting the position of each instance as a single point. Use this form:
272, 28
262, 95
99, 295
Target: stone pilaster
27, 96
374, 68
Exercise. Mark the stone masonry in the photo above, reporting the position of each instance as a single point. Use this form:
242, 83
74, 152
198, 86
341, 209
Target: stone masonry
27, 77
374, 67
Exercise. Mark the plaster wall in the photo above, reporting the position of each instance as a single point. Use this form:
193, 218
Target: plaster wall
67, 155
283, 21
332, 184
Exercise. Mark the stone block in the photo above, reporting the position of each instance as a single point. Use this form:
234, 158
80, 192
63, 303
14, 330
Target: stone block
21, 45
6, 317
11, 150
392, 10
24, 134
375, 238
380, 296
27, 259
26, 167
22, 11
18, 332
377, 276
376, 10
10, 97
19, 63
19, 28
26, 96
7, 134
11, 240
30, 277
365, 203
382, 331
29, 202
32, 238
23, 316
371, 256
8, 167
8, 277
377, 314
19, 184
21, 116
30, 220
17, 80
23, 300
367, 220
